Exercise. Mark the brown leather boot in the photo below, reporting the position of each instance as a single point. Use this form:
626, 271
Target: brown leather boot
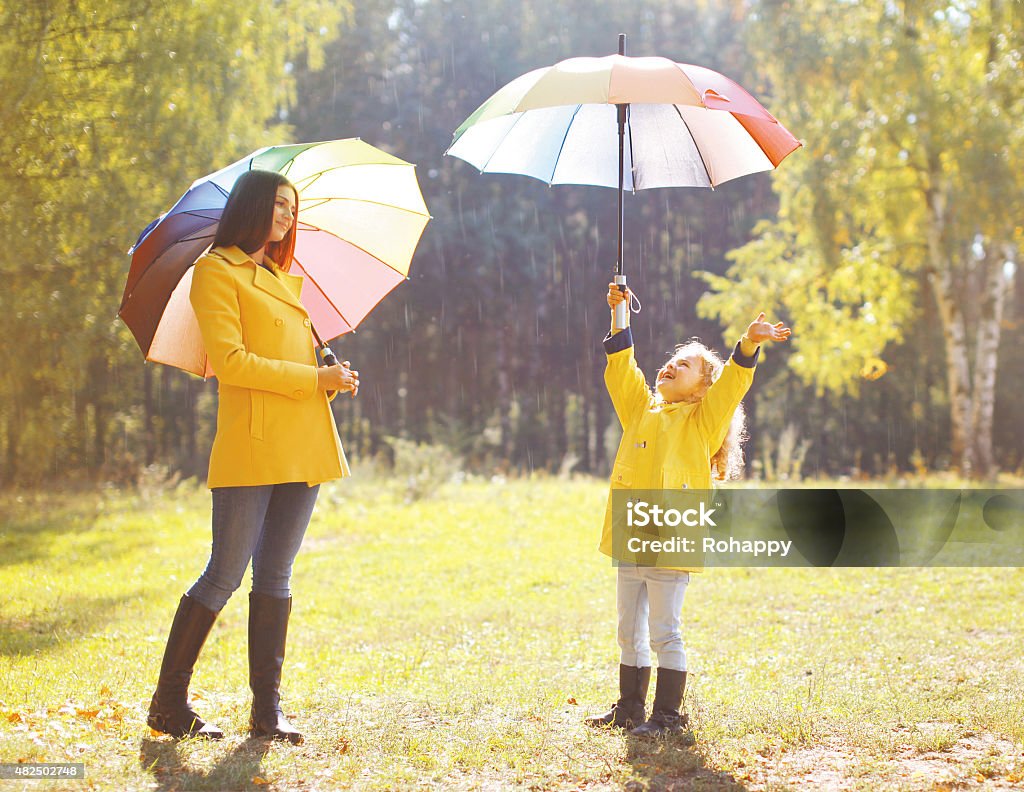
668, 698
268, 630
628, 711
169, 711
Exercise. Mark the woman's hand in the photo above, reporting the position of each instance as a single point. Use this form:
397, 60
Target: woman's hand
615, 296
338, 378
760, 330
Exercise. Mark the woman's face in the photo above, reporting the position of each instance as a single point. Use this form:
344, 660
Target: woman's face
681, 378
284, 213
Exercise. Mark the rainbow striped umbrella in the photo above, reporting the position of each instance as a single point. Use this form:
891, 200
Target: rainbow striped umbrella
678, 125
361, 215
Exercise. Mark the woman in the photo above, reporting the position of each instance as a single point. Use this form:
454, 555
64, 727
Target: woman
276, 441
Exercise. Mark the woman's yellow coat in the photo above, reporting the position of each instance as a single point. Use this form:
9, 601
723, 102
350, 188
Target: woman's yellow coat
273, 424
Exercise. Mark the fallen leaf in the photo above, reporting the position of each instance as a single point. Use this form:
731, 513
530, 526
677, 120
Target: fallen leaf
15, 717
574, 702
260, 781
84, 713
105, 692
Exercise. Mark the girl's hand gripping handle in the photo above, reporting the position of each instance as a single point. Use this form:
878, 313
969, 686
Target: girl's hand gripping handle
618, 300
620, 319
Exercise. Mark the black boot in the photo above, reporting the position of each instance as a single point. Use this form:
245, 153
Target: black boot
628, 711
169, 712
668, 698
268, 629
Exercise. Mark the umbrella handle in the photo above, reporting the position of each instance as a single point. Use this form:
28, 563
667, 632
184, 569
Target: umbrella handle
328, 356
622, 309
330, 360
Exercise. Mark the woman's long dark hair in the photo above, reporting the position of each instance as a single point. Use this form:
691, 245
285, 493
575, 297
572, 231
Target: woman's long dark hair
249, 217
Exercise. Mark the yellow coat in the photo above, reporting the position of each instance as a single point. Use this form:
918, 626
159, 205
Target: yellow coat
273, 424
667, 446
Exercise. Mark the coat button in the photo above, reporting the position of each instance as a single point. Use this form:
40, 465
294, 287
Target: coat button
299, 394
279, 322
307, 323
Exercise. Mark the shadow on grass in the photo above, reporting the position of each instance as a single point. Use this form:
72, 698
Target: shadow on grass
33, 533
674, 763
64, 621
161, 759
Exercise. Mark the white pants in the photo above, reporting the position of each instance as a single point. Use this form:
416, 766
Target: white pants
650, 603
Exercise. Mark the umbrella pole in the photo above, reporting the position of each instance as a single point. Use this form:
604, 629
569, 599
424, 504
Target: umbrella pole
622, 309
326, 352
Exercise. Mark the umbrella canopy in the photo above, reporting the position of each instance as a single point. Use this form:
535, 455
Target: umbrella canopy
686, 126
361, 215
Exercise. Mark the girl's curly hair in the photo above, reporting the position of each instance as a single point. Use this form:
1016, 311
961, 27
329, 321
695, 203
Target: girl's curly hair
727, 461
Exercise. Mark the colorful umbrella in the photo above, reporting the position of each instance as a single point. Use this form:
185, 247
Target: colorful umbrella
361, 214
679, 125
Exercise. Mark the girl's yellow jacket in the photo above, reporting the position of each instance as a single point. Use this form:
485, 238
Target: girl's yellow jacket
667, 446
273, 424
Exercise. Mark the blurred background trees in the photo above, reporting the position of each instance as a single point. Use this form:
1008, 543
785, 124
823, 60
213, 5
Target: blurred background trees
890, 242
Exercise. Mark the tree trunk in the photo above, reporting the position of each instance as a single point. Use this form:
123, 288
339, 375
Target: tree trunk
989, 327
601, 402
954, 327
583, 442
99, 429
13, 434
559, 432
958, 377
504, 396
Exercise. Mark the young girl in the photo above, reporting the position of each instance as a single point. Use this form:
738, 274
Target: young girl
276, 441
687, 431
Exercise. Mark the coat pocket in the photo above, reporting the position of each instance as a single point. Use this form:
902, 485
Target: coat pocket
674, 478
256, 415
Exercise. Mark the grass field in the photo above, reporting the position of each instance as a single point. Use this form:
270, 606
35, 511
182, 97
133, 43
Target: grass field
458, 642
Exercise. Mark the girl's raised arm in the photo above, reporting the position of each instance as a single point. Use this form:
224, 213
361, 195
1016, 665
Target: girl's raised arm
622, 376
719, 403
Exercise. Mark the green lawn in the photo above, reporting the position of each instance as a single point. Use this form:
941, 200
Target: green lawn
458, 642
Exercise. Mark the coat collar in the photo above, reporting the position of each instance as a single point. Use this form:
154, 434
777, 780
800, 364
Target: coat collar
275, 281
671, 407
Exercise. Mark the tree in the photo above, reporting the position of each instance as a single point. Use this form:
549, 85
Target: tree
911, 113
112, 109
496, 340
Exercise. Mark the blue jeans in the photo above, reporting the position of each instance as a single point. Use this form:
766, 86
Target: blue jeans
265, 524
